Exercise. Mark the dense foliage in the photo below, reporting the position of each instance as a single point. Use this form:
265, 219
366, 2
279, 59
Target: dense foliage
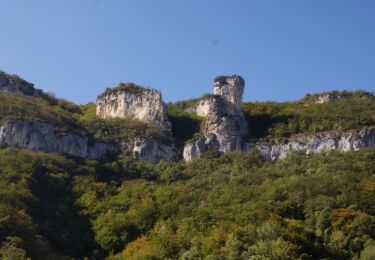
230, 207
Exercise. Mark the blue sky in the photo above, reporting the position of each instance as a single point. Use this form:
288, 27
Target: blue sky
282, 48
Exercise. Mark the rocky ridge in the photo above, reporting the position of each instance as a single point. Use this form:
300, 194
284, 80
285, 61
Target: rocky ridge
14, 84
225, 130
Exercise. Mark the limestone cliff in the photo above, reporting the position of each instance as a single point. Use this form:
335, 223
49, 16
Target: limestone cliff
39, 136
131, 101
150, 150
226, 125
200, 107
351, 140
226, 128
146, 105
230, 88
42, 137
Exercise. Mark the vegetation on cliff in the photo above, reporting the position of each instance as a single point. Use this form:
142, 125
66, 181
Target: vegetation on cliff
272, 119
128, 87
114, 129
66, 116
279, 120
59, 113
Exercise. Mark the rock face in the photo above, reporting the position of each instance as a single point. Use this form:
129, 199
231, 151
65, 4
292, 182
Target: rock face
15, 84
352, 140
143, 104
195, 149
146, 105
327, 98
41, 137
201, 108
226, 125
230, 88
226, 128
149, 150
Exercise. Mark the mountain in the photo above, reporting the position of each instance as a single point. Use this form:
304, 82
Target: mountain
130, 118
129, 177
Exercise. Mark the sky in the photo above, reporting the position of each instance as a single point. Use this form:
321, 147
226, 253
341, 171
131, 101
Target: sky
282, 48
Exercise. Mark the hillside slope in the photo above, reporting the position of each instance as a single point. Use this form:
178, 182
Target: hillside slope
230, 207
56, 204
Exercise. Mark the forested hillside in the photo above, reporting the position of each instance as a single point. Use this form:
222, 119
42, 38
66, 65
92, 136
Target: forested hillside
230, 207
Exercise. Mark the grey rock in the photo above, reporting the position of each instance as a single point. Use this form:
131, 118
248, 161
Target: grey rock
195, 149
149, 150
226, 125
39, 136
14, 84
230, 88
202, 107
147, 107
351, 140
324, 98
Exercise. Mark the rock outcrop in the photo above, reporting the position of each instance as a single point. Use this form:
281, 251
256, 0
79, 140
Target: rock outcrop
230, 89
328, 97
351, 140
226, 125
146, 105
39, 136
14, 84
200, 107
149, 150
131, 101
